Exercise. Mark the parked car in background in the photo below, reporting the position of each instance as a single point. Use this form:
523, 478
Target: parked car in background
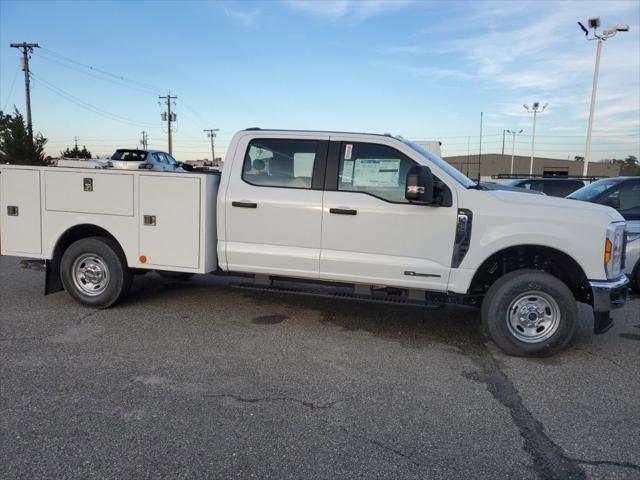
133, 159
509, 188
555, 187
623, 194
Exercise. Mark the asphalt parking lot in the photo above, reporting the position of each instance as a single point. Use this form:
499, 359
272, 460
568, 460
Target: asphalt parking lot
201, 380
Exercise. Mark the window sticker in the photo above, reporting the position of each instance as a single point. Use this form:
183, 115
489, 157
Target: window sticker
347, 171
371, 172
347, 151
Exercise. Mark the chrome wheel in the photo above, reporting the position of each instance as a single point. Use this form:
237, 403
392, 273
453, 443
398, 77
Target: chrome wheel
533, 317
90, 274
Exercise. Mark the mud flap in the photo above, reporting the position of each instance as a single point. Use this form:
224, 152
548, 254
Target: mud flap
602, 322
52, 282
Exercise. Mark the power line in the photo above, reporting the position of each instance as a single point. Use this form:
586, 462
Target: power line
81, 103
13, 83
91, 74
149, 86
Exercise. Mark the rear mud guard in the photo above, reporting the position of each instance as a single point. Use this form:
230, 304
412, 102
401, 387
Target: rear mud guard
52, 281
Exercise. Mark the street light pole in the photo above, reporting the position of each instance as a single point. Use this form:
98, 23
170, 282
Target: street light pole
513, 146
594, 88
535, 109
594, 23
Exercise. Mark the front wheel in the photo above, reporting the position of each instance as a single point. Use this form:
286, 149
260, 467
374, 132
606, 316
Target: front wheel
94, 272
530, 313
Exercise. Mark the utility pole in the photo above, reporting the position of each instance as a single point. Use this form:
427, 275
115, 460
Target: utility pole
168, 116
27, 48
503, 132
144, 141
211, 133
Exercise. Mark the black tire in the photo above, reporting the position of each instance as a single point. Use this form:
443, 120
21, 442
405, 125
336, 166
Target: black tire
111, 258
499, 304
635, 281
179, 276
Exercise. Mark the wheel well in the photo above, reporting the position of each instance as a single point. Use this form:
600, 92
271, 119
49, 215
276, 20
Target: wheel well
52, 281
536, 257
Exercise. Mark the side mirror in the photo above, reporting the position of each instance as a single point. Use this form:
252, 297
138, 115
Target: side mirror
613, 202
419, 187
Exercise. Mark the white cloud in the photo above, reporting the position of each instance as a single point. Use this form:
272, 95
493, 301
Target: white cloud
350, 10
245, 16
431, 72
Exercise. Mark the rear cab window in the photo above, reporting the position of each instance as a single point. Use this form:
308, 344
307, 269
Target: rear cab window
283, 163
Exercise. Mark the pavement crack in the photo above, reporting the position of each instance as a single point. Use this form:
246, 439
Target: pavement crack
599, 463
87, 315
549, 459
304, 403
607, 359
382, 445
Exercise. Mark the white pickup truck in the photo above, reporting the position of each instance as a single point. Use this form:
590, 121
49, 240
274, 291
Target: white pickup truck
366, 216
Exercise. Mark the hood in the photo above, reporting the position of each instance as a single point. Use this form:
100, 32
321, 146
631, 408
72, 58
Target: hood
548, 207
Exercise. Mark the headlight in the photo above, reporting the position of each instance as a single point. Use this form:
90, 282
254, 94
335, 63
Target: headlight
613, 246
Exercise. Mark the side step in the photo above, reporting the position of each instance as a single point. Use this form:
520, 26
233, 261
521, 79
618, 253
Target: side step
398, 297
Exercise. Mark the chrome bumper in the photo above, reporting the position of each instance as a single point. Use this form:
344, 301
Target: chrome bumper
609, 295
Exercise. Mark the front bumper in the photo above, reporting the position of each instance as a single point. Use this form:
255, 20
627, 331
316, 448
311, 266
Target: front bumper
609, 295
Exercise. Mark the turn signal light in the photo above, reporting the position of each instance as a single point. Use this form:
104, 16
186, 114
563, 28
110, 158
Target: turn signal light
608, 249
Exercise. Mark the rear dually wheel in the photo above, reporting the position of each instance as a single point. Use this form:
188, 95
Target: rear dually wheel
94, 272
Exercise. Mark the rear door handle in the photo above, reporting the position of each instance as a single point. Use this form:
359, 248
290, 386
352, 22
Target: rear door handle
244, 204
343, 211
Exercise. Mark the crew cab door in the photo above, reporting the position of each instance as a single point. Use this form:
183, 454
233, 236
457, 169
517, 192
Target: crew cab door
273, 206
371, 233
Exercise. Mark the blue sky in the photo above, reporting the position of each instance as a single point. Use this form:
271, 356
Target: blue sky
421, 69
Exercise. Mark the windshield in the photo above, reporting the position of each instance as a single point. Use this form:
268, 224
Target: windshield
591, 191
442, 165
130, 155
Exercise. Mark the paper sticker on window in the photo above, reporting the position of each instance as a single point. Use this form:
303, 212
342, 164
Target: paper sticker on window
347, 171
347, 151
371, 172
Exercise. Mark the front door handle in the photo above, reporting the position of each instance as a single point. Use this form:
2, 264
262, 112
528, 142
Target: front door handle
244, 204
343, 211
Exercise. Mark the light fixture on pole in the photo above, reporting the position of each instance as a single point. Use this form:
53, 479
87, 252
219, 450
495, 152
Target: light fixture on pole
594, 24
535, 109
513, 133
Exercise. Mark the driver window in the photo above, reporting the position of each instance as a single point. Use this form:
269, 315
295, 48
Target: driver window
375, 169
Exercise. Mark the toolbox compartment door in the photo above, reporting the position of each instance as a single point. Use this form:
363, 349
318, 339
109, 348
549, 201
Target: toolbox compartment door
20, 222
90, 191
170, 220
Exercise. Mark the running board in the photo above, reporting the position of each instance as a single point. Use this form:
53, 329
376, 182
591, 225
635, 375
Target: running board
344, 294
